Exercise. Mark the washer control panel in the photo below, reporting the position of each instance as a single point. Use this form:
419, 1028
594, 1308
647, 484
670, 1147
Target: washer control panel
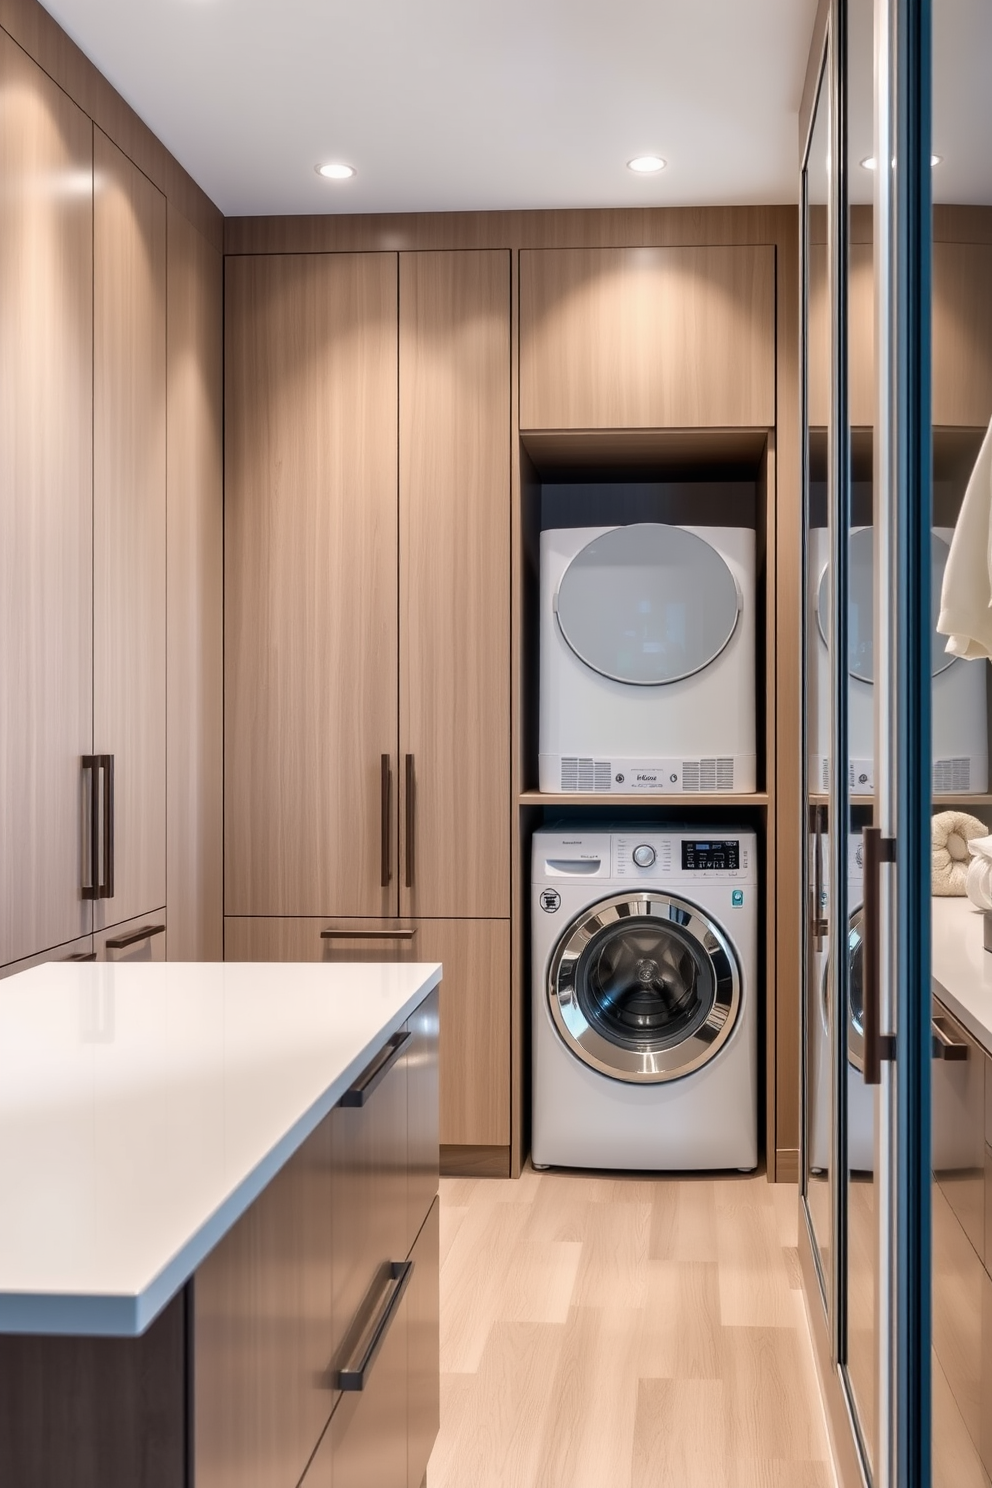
657, 858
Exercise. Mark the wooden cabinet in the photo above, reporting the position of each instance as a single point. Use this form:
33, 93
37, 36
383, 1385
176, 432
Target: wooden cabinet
139, 940
310, 567
474, 1061
46, 420
129, 449
333, 1268
629, 338
454, 639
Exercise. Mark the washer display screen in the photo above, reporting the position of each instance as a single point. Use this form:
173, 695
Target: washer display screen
699, 856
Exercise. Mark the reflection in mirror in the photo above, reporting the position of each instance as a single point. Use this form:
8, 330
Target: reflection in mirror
817, 1105
962, 505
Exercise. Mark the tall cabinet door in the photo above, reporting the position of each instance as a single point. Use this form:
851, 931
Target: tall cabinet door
129, 475
455, 582
310, 573
46, 504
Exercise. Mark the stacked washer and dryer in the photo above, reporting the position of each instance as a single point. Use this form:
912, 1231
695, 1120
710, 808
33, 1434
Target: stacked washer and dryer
644, 935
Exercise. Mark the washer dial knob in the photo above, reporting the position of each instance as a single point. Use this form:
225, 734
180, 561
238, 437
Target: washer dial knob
644, 855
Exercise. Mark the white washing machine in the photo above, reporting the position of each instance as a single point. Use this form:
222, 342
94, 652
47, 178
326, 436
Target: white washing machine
647, 659
644, 997
860, 1097
960, 736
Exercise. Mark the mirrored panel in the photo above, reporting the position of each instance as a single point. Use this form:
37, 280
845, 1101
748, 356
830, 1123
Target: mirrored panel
818, 727
961, 180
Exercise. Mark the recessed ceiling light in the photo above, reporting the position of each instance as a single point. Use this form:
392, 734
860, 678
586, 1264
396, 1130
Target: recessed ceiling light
336, 171
869, 163
646, 165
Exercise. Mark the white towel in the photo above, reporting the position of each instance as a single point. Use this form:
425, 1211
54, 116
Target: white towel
966, 594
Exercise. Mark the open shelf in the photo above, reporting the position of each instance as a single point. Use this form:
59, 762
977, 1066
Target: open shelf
642, 798
818, 799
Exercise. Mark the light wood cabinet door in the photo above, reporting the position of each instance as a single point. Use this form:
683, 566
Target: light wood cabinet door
860, 330
129, 478
474, 1019
46, 508
962, 334
310, 576
628, 338
455, 582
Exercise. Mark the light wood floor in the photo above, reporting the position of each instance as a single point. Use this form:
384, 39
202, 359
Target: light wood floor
600, 1331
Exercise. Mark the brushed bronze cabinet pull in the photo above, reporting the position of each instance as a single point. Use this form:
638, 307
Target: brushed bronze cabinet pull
410, 821
91, 762
133, 937
101, 825
107, 887
81, 956
386, 792
367, 934
878, 1046
398, 1275
371, 1078
943, 1046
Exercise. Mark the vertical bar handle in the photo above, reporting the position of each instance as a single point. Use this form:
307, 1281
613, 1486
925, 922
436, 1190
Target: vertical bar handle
411, 817
91, 762
879, 1046
107, 887
386, 792
819, 918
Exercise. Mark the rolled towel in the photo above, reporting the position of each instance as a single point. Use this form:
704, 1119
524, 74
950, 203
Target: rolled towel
980, 872
950, 857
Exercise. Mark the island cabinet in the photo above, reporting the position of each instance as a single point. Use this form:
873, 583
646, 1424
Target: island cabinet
315, 1321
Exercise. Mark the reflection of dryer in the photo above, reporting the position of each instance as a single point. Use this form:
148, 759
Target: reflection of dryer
960, 731
647, 659
644, 997
860, 1099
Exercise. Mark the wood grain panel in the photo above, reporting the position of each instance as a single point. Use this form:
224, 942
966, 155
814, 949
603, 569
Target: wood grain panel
962, 333
310, 565
455, 580
195, 605
44, 40
423, 1350
861, 336
640, 338
593, 227
129, 480
422, 1110
46, 509
474, 1055
73, 950
95, 1412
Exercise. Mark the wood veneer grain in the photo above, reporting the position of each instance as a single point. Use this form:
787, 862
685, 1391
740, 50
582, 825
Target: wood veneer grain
46, 511
129, 525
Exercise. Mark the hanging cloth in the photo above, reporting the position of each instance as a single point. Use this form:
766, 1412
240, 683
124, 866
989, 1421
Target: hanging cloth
966, 594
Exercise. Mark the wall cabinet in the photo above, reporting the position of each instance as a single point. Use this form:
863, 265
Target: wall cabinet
629, 338
474, 1055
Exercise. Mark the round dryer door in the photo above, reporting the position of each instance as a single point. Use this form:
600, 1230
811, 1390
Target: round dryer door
648, 604
644, 987
855, 1022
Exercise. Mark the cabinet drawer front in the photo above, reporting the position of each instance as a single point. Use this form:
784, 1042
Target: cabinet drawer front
366, 1440
422, 1108
628, 338
423, 1349
959, 1129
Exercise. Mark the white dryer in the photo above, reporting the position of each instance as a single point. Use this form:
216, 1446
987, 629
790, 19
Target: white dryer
860, 1097
960, 729
644, 997
647, 659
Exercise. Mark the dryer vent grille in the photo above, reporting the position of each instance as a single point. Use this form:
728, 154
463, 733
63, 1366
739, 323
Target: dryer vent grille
951, 775
586, 775
708, 774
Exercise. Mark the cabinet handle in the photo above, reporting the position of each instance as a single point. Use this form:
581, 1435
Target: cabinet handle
101, 764
81, 956
386, 792
410, 820
377, 1071
943, 1046
357, 1378
878, 1046
145, 933
367, 934
819, 923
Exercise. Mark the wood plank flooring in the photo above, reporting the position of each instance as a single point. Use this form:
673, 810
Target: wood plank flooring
602, 1331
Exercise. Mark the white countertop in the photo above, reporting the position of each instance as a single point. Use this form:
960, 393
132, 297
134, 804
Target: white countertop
962, 967
144, 1107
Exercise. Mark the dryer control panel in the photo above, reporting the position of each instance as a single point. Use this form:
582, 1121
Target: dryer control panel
648, 856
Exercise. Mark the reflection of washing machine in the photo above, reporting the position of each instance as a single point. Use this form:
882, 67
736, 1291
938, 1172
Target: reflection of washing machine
644, 997
860, 1099
647, 659
960, 738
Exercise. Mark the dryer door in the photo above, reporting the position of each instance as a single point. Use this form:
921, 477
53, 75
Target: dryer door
644, 987
855, 1022
648, 604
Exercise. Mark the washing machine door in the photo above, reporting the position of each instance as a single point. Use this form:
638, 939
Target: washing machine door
644, 987
648, 604
856, 1009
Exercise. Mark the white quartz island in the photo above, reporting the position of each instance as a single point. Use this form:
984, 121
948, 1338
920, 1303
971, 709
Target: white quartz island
962, 967
188, 1169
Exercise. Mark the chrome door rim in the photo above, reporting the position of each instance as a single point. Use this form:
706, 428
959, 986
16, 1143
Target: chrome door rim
855, 1034
647, 1066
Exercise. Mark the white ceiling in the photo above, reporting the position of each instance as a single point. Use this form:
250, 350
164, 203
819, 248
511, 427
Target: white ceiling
461, 104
